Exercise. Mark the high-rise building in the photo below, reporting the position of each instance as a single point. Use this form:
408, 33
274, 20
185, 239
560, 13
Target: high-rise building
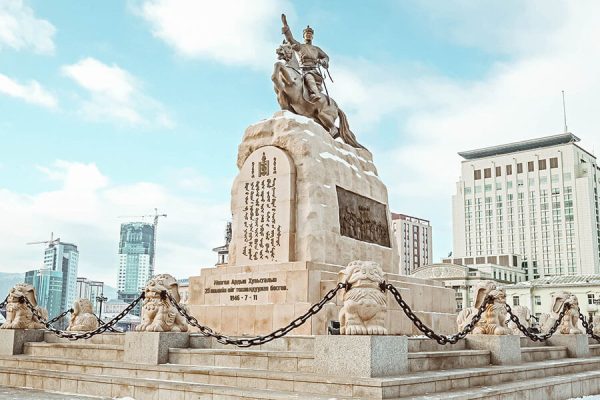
64, 257
48, 286
413, 236
90, 290
136, 255
537, 198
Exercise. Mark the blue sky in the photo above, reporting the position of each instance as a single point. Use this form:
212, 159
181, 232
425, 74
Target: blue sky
113, 108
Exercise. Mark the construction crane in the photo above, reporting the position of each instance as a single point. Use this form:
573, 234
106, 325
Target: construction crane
52, 242
156, 216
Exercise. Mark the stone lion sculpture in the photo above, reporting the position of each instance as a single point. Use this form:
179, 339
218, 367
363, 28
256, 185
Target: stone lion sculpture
365, 304
158, 314
524, 315
596, 325
493, 319
82, 318
18, 314
570, 322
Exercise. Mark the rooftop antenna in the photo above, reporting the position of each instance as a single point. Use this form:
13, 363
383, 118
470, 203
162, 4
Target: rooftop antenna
564, 112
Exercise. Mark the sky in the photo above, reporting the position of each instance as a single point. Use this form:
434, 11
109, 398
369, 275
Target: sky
113, 108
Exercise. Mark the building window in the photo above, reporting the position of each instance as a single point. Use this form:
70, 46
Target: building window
542, 164
591, 298
515, 300
530, 166
538, 300
498, 171
519, 168
477, 174
509, 170
487, 173
554, 162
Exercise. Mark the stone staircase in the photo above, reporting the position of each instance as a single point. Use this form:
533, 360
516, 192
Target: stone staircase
283, 369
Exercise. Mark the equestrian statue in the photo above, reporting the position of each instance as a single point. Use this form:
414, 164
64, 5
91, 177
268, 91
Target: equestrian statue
299, 85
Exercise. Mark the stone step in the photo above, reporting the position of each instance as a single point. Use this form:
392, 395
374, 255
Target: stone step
287, 361
286, 343
143, 389
526, 342
562, 387
105, 338
420, 344
444, 360
411, 385
75, 351
529, 354
595, 350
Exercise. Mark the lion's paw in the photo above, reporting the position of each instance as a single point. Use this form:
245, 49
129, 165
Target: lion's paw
376, 330
356, 330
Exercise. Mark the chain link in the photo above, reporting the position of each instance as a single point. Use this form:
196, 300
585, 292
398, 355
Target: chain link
427, 331
82, 335
101, 322
533, 336
3, 304
61, 315
589, 328
257, 340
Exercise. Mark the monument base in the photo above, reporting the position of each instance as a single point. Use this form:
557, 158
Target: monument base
361, 355
257, 299
152, 347
577, 345
504, 349
12, 340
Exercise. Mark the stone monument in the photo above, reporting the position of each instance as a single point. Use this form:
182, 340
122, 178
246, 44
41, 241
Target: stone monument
307, 201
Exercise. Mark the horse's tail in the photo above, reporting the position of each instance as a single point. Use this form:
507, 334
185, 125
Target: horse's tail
345, 132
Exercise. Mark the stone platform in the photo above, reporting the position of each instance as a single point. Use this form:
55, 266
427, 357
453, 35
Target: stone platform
232, 300
285, 369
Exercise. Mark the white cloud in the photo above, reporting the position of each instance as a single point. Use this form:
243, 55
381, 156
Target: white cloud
228, 31
517, 99
20, 29
116, 95
83, 209
32, 92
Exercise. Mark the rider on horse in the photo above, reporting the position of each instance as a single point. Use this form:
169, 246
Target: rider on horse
310, 58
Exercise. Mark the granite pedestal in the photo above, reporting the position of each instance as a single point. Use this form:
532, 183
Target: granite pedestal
504, 349
12, 340
152, 347
361, 355
577, 345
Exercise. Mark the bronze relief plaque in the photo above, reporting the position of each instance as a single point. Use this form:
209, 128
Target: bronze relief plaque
362, 218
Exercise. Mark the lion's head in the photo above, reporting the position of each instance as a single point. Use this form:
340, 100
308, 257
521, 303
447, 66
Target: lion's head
20, 290
161, 282
82, 306
484, 288
362, 273
561, 298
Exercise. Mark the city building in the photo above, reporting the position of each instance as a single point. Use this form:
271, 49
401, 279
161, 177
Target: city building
413, 236
91, 290
136, 259
537, 294
462, 274
64, 258
536, 198
184, 290
48, 285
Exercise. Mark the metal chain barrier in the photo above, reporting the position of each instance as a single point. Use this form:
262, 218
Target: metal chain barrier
83, 335
427, 331
257, 340
589, 328
3, 304
101, 322
533, 336
61, 315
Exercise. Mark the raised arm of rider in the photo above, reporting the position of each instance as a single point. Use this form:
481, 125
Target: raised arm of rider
289, 37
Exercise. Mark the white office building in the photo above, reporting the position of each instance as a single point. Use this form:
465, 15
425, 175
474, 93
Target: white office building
413, 236
536, 198
64, 257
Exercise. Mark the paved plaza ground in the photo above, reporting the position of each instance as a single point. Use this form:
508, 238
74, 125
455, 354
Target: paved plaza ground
31, 394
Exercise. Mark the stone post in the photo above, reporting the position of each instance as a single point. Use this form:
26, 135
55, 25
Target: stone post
577, 345
504, 349
152, 347
12, 340
361, 355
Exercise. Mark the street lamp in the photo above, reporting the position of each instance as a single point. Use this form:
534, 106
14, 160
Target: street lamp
101, 299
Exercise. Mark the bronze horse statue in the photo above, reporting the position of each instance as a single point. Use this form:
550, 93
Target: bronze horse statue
291, 96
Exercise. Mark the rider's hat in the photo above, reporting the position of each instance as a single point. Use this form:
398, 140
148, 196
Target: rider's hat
308, 29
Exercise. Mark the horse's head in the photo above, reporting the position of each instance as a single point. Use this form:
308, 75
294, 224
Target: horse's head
284, 52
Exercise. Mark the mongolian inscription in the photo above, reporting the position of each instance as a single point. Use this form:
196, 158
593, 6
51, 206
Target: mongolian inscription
244, 289
264, 216
362, 218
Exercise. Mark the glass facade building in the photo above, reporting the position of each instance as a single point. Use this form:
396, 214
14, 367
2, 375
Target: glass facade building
64, 258
48, 286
